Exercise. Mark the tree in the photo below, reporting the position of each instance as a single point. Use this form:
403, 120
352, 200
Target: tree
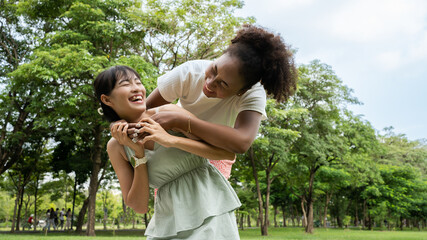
17, 123
178, 31
268, 152
281, 197
87, 38
322, 93
330, 181
21, 173
402, 165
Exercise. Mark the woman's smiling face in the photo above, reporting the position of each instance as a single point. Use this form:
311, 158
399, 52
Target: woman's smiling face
222, 78
127, 97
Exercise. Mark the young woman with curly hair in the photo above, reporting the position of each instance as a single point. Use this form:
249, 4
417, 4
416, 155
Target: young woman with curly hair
228, 95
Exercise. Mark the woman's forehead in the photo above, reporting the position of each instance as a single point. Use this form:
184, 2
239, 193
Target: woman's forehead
126, 75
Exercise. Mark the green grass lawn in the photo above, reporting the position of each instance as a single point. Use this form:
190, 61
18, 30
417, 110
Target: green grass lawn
247, 234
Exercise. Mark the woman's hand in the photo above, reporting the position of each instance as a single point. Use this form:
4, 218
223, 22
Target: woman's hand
116, 128
169, 119
155, 132
119, 131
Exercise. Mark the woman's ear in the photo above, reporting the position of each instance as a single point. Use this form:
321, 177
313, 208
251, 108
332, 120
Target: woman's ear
106, 100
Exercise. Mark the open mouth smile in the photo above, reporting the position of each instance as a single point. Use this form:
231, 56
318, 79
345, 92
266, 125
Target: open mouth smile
207, 88
136, 99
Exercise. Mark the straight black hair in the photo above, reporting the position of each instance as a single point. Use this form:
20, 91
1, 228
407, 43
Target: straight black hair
104, 84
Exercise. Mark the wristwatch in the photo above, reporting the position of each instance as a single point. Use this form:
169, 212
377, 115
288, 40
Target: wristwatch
139, 161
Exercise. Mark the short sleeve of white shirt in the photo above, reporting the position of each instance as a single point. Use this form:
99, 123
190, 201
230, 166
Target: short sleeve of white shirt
254, 99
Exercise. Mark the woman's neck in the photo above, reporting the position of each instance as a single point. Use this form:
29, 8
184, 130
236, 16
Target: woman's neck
138, 117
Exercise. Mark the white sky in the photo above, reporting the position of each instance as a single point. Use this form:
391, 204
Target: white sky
376, 47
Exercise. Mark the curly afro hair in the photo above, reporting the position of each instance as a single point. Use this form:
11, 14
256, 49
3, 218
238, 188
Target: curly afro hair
265, 58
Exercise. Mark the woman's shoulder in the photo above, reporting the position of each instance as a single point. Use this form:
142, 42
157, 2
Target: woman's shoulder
194, 69
173, 108
168, 107
200, 64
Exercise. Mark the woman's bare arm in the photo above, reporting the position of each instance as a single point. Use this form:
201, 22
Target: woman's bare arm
133, 181
159, 135
236, 140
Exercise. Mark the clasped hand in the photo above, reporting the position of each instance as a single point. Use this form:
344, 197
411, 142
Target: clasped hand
135, 135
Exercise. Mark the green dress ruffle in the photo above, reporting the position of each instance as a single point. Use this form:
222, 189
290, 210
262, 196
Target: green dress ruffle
194, 200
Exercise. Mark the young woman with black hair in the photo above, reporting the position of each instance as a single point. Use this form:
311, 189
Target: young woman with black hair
194, 200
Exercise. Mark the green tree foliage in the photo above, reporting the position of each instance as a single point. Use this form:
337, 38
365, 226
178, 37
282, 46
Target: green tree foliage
178, 31
83, 39
400, 192
268, 154
322, 93
16, 121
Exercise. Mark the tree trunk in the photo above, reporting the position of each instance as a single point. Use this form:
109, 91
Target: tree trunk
18, 195
357, 215
310, 227
93, 185
27, 206
81, 217
370, 222
10, 156
284, 216
249, 220
304, 215
241, 220
35, 202
21, 199
124, 207
146, 221
292, 212
12, 230
339, 221
74, 203
365, 216
264, 228
260, 202
275, 216
325, 209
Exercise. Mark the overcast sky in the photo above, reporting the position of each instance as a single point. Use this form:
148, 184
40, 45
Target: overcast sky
378, 48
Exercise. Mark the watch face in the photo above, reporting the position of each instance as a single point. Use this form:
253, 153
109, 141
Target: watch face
138, 161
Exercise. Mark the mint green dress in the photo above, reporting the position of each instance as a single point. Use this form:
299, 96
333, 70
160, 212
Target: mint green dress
194, 200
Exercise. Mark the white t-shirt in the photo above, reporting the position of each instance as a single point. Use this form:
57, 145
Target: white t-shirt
185, 83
